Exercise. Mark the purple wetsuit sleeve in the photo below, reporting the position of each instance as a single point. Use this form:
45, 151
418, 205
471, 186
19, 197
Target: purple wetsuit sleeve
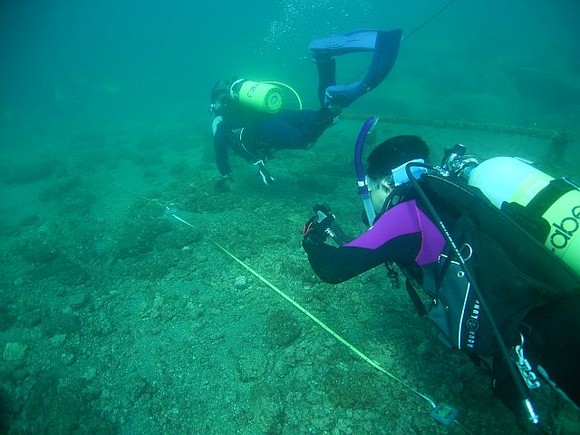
337, 264
403, 234
405, 218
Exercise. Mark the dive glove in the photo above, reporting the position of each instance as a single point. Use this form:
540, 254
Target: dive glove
222, 184
317, 229
264, 173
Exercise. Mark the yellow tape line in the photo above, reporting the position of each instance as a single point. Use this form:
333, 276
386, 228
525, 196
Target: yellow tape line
323, 325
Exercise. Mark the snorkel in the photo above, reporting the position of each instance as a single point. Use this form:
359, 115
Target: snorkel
361, 179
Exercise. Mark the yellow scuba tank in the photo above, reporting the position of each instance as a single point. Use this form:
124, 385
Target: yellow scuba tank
262, 96
512, 180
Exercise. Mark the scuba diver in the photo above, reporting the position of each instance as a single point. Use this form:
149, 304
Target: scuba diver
495, 247
250, 117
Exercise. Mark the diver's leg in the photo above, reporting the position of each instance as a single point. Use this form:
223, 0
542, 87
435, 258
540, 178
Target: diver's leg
326, 76
385, 47
286, 130
294, 129
290, 129
328, 113
554, 340
311, 124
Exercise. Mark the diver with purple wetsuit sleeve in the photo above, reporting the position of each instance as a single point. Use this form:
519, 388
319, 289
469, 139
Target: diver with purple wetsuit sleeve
496, 293
403, 234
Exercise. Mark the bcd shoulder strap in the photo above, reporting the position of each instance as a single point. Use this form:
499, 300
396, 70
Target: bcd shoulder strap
511, 287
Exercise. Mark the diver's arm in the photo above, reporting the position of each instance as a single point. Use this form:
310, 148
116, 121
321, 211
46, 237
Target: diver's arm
337, 264
221, 144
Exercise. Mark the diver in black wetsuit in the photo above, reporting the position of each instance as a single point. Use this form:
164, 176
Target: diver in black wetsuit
537, 313
254, 135
250, 119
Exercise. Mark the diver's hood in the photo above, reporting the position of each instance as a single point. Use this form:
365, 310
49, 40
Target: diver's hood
219, 91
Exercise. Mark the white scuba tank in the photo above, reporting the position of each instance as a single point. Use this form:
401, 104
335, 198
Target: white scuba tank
510, 179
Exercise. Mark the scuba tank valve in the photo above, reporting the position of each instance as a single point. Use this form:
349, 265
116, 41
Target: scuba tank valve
456, 162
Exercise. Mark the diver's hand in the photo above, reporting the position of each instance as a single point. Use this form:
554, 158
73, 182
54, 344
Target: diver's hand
317, 228
264, 173
222, 184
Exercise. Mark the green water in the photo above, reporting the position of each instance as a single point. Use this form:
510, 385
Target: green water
115, 318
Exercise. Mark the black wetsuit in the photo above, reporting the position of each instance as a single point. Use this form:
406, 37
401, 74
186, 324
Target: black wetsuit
297, 129
263, 133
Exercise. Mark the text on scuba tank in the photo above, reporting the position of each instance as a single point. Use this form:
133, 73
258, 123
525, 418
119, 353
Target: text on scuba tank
565, 230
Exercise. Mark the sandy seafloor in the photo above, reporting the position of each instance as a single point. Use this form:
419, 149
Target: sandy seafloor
118, 319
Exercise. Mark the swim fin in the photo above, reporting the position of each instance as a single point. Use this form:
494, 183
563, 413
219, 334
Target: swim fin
385, 48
